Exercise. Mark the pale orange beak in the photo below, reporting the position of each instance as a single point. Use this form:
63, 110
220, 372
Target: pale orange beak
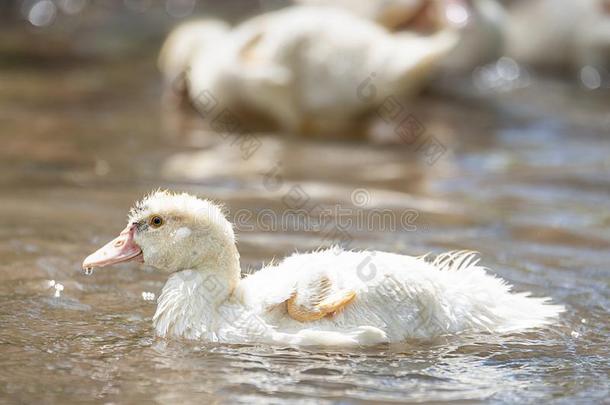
121, 249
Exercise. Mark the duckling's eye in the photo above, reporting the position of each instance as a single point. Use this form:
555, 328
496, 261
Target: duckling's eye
155, 221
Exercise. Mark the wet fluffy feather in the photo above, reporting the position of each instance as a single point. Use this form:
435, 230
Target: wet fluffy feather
396, 296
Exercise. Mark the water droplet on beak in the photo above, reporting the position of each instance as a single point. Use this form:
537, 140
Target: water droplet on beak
88, 271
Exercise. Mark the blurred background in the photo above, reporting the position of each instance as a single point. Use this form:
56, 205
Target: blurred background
409, 126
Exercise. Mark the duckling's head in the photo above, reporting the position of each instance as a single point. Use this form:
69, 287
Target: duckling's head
171, 232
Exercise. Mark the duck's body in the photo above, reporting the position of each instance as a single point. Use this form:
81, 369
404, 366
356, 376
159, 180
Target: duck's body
303, 67
397, 297
328, 297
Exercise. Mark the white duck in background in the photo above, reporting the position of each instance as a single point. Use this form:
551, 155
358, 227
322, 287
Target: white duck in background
304, 67
559, 33
329, 297
480, 23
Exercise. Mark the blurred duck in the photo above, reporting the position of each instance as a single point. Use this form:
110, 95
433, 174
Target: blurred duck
481, 25
309, 69
560, 33
328, 297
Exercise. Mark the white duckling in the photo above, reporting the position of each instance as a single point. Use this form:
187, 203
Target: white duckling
303, 67
559, 33
327, 297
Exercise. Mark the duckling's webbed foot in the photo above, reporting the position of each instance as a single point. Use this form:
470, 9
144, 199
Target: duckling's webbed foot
317, 301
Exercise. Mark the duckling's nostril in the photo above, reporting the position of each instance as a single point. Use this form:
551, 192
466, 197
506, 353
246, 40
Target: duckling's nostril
119, 243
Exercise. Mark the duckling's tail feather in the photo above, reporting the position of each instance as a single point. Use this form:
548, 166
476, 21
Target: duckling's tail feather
456, 260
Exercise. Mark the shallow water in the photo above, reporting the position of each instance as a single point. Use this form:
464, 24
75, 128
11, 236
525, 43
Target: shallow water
525, 180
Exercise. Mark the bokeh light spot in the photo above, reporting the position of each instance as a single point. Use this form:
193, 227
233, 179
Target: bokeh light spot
42, 13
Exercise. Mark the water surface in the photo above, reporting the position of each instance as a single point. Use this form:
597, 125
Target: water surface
525, 180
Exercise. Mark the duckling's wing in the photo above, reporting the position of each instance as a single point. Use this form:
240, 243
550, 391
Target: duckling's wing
310, 286
317, 299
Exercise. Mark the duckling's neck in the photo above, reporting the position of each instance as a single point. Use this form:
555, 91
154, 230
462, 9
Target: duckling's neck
222, 268
190, 300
